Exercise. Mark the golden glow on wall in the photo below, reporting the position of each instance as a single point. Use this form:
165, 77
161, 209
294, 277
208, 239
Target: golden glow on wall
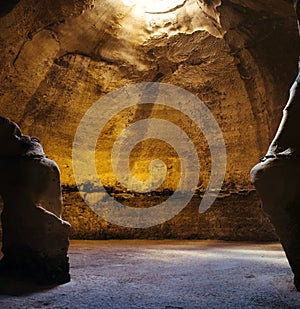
155, 6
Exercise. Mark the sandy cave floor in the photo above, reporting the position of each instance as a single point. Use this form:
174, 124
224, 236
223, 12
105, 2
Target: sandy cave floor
165, 274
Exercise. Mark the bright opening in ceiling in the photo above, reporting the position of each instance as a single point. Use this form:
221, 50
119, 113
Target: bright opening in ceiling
170, 17
155, 6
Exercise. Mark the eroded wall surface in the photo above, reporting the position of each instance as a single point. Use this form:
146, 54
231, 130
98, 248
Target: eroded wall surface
238, 57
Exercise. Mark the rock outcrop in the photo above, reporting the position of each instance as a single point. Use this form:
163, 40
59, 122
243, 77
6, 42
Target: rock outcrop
277, 179
35, 238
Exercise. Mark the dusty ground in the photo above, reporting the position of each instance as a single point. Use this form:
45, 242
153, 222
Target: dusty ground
165, 274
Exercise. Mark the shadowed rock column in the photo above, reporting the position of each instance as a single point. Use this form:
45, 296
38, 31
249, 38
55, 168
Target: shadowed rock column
35, 239
277, 178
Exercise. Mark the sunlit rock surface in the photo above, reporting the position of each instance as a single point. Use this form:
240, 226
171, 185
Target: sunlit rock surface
59, 58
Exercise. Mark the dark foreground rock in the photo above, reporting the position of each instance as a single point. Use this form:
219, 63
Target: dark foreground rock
277, 179
35, 238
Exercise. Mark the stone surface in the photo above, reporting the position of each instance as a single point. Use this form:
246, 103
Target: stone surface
225, 220
35, 238
60, 57
277, 179
165, 275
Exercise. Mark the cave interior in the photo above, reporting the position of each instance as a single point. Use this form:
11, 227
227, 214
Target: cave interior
239, 58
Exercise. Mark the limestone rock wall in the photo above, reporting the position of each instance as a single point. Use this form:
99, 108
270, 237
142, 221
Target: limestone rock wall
238, 57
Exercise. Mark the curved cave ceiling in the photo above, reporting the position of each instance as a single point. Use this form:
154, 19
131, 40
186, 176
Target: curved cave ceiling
238, 57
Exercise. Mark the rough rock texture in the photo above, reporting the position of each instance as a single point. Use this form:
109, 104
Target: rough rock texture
35, 238
59, 57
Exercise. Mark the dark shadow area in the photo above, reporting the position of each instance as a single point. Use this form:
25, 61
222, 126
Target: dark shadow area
16, 285
7, 6
11, 285
1, 209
